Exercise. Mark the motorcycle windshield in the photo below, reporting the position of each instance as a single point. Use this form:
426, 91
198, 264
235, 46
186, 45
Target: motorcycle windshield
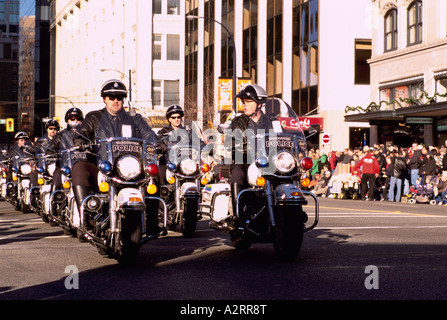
278, 110
113, 148
178, 153
287, 131
40, 160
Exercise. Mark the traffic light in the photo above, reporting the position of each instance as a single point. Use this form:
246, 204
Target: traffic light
9, 125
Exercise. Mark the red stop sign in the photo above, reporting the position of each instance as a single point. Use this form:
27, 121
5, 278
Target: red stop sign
326, 138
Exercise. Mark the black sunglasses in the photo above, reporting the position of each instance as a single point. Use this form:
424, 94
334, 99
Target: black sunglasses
113, 98
176, 117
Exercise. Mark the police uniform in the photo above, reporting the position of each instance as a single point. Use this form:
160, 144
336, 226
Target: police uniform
100, 124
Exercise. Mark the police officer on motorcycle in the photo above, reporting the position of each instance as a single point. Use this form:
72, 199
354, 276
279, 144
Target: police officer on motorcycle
253, 97
174, 115
63, 140
52, 127
111, 121
21, 143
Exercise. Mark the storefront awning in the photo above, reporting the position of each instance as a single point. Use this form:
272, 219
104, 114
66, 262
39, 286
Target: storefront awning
374, 116
434, 110
430, 110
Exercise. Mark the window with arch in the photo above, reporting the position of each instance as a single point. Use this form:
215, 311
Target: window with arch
390, 35
414, 29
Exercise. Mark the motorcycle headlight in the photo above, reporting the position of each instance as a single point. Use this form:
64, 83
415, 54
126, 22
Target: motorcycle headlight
128, 167
188, 166
25, 169
51, 168
285, 162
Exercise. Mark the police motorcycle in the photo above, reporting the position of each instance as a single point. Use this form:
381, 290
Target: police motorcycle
4, 165
114, 220
271, 210
185, 177
64, 210
40, 195
19, 189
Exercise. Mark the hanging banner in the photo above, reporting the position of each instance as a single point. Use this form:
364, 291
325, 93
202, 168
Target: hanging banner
225, 93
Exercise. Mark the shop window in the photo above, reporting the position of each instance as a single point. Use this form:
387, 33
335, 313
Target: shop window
441, 88
400, 96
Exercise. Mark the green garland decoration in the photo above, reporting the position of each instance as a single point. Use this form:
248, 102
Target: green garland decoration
409, 101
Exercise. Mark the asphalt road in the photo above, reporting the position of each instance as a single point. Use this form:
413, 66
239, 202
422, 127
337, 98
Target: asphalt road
360, 250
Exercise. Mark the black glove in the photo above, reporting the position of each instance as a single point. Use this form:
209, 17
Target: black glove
240, 122
82, 145
161, 148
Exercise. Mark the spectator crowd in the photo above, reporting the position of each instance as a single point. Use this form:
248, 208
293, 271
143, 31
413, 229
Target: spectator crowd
382, 174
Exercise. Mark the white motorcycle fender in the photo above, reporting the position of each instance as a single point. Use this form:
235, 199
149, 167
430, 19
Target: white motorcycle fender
188, 187
75, 219
128, 195
4, 190
25, 183
253, 173
45, 190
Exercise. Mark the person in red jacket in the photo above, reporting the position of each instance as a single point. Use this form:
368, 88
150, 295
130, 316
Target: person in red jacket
370, 171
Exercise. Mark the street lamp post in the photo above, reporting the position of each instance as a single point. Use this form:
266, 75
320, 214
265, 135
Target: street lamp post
71, 102
190, 17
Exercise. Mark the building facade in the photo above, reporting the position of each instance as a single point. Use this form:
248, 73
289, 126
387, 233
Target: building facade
408, 74
298, 50
26, 75
41, 65
9, 64
140, 42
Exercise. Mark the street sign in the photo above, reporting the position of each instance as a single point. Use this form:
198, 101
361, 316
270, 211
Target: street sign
326, 138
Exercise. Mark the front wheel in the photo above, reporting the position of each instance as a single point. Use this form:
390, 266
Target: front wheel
288, 232
25, 207
189, 217
128, 240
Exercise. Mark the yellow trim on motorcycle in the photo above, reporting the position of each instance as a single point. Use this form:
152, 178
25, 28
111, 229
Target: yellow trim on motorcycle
66, 185
305, 182
260, 181
151, 189
40, 181
104, 187
171, 180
